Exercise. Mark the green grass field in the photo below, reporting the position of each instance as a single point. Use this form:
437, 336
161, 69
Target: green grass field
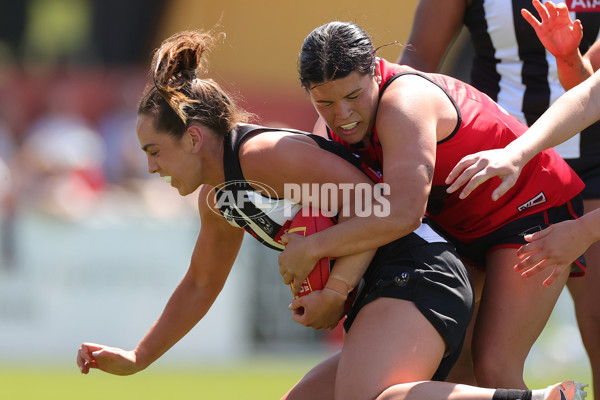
260, 379
248, 381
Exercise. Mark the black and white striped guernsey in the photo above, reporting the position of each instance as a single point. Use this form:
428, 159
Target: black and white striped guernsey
513, 67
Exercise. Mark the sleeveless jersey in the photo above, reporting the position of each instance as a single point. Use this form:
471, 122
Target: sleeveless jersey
512, 66
545, 182
266, 217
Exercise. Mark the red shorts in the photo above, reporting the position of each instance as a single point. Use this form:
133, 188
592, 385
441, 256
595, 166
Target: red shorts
512, 235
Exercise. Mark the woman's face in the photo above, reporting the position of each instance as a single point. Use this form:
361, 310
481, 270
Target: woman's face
348, 105
169, 157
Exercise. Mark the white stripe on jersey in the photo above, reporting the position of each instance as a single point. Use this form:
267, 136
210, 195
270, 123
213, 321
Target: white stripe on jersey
278, 210
501, 29
428, 234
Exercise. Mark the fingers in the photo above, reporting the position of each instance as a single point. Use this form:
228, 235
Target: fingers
459, 175
578, 27
561, 9
533, 21
550, 280
534, 237
477, 180
474, 170
286, 276
298, 314
507, 183
545, 10
284, 239
85, 357
296, 285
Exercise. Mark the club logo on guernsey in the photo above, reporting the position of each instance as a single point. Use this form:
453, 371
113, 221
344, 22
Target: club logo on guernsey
538, 199
583, 5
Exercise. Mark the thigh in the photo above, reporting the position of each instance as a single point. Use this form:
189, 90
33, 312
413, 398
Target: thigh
585, 290
390, 342
318, 383
513, 310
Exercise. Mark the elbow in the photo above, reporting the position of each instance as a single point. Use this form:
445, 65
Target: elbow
405, 223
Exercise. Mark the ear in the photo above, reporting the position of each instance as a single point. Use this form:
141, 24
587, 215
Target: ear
377, 73
193, 138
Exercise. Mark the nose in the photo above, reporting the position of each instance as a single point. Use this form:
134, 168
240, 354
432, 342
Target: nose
152, 167
343, 110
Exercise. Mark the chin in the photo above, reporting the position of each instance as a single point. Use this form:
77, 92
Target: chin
183, 192
351, 138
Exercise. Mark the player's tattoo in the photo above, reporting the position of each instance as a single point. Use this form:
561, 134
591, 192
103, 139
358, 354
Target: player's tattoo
429, 169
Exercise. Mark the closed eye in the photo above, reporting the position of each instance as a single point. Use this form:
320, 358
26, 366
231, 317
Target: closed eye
324, 103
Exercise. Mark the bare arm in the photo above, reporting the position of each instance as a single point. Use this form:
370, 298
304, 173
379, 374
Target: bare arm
216, 249
408, 139
561, 37
593, 55
575, 110
425, 51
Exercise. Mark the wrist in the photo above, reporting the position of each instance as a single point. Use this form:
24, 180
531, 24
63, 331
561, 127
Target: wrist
590, 226
338, 286
141, 361
315, 250
569, 59
522, 152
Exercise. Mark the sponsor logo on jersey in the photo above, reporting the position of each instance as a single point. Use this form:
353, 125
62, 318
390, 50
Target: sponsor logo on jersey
583, 5
538, 199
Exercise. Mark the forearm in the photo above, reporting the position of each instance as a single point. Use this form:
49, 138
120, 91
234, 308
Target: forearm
350, 270
573, 69
425, 51
360, 234
590, 226
187, 305
572, 112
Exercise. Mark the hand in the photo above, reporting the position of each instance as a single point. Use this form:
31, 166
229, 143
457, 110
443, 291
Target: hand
556, 31
475, 169
555, 247
295, 261
107, 359
321, 309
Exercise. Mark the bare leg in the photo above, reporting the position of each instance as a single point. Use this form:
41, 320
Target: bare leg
463, 372
436, 391
318, 383
390, 342
512, 313
586, 297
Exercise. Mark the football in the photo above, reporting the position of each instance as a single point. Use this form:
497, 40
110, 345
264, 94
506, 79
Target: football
305, 223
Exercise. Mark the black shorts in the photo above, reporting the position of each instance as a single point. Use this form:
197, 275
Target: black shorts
512, 235
588, 169
430, 275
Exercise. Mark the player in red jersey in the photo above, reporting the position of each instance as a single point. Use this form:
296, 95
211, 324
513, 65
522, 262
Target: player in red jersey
413, 126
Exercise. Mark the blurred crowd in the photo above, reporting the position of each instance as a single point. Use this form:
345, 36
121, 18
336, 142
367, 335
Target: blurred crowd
69, 85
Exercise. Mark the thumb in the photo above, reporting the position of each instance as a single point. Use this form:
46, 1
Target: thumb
297, 303
538, 235
284, 239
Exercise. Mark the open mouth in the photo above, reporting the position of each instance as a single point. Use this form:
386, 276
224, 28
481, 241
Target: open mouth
347, 127
167, 179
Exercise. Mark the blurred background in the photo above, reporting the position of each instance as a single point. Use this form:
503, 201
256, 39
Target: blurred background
91, 245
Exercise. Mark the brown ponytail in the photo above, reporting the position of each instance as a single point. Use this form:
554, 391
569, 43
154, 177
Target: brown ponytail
179, 96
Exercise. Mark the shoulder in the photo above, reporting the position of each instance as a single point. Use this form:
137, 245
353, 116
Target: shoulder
412, 96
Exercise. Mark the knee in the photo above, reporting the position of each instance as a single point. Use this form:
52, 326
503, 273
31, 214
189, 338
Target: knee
392, 393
